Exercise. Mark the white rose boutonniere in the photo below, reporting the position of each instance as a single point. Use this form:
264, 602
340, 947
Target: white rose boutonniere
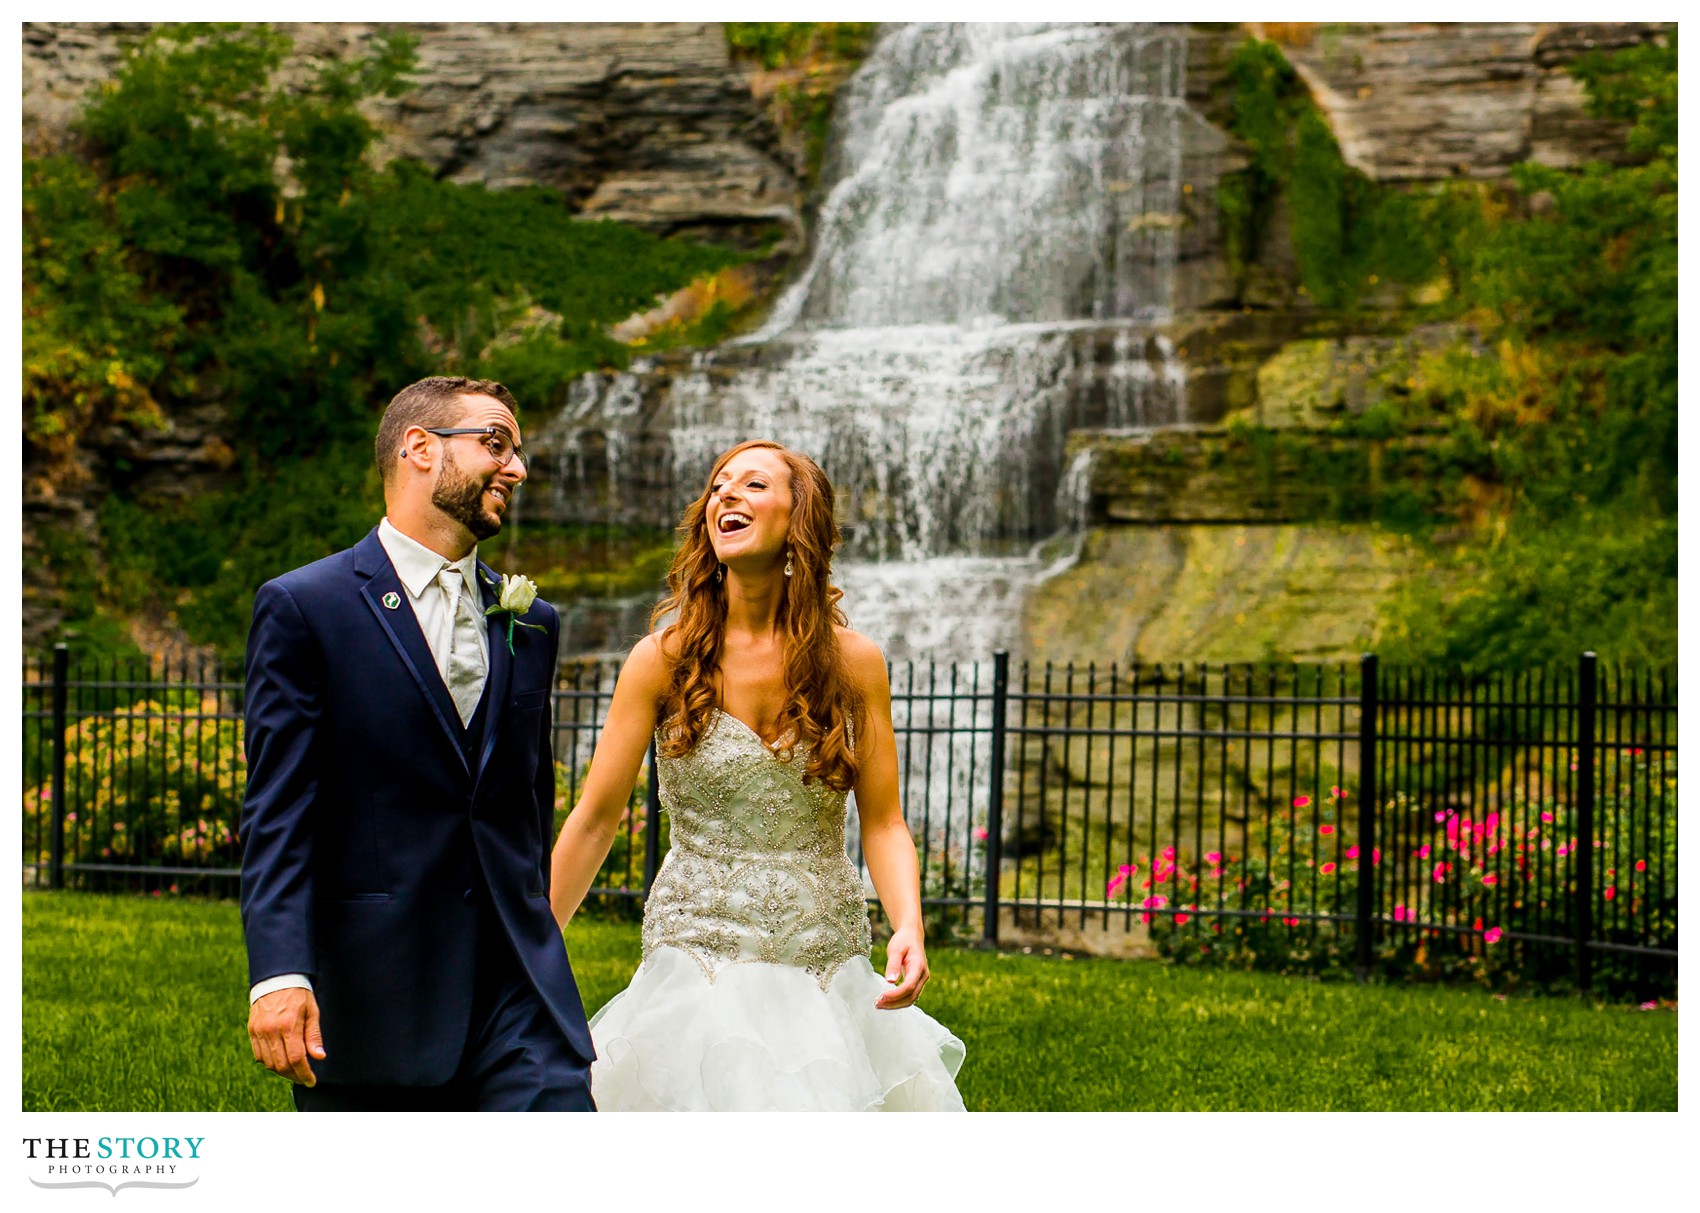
514, 597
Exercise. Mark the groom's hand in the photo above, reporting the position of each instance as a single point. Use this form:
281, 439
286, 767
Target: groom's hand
283, 1028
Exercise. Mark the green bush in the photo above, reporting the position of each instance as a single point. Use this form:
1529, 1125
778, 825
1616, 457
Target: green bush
1464, 894
1569, 388
816, 56
1348, 232
223, 236
159, 782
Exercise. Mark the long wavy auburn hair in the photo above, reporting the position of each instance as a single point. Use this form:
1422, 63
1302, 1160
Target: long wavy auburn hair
822, 705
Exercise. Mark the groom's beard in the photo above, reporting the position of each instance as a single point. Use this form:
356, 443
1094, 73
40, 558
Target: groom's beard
461, 497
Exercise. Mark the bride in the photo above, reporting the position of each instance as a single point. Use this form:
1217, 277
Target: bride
756, 991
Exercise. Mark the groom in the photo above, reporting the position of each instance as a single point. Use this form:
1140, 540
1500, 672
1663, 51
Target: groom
396, 829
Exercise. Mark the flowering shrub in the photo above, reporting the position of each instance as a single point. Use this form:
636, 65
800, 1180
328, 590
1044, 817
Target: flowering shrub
1452, 901
151, 783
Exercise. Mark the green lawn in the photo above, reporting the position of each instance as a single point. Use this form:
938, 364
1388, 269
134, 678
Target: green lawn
138, 1004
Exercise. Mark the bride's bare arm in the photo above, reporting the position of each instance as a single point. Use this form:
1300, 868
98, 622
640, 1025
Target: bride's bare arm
887, 844
590, 828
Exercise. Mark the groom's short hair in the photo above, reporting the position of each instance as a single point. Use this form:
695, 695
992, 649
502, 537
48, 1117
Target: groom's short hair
433, 403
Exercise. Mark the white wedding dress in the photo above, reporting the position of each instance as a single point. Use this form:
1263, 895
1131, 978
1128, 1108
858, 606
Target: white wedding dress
755, 992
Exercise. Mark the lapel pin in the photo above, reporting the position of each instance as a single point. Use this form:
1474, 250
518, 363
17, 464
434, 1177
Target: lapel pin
392, 600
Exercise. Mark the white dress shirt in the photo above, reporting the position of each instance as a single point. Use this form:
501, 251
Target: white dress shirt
417, 566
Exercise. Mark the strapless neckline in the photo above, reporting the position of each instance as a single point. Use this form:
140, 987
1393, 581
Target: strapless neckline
766, 745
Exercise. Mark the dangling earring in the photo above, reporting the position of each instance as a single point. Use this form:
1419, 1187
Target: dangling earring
719, 573
787, 562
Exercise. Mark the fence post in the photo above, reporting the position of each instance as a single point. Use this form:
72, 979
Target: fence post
994, 801
1585, 822
1368, 794
651, 825
61, 673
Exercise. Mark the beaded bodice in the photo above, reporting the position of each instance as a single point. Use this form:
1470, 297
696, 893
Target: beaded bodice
757, 870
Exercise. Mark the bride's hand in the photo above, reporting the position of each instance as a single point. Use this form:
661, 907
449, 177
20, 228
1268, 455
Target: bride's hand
905, 963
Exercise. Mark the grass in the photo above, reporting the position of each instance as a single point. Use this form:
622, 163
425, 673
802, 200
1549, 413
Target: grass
159, 982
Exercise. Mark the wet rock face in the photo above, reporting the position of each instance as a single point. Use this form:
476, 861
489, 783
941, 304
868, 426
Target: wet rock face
648, 123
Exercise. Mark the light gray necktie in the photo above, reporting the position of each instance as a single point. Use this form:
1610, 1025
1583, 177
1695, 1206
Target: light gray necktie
465, 676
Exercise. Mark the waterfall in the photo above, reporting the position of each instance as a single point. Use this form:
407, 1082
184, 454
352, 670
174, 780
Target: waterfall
992, 260
1001, 173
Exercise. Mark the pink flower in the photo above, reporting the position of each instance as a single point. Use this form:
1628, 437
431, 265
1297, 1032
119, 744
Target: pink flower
1155, 902
1440, 816
1213, 858
1563, 850
1422, 851
1398, 913
1546, 817
1116, 882
1327, 868
1439, 873
1490, 879
1180, 919
1325, 829
1128, 869
1649, 1006
1336, 793
982, 834
1351, 852
1640, 865
1168, 852
1611, 892
1493, 934
1300, 802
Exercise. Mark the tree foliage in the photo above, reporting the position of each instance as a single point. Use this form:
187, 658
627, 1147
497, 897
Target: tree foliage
1572, 294
224, 233
1347, 231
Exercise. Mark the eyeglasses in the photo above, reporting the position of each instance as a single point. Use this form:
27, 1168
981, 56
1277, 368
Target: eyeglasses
496, 440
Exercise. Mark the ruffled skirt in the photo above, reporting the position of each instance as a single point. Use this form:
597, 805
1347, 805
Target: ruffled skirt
767, 1037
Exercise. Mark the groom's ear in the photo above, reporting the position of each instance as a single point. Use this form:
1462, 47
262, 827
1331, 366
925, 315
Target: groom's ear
415, 448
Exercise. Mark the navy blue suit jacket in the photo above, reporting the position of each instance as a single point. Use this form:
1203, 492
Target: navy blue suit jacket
370, 836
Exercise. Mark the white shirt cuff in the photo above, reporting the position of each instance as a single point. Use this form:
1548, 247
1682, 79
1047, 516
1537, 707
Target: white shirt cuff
283, 981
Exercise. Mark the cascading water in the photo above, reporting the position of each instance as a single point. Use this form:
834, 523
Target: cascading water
991, 265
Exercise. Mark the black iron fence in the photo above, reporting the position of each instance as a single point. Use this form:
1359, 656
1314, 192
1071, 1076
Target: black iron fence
1379, 817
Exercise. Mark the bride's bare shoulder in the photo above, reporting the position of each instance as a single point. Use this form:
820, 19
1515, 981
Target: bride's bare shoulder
650, 660
863, 659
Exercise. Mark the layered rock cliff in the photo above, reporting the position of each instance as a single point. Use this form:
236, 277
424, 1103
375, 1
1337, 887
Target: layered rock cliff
649, 123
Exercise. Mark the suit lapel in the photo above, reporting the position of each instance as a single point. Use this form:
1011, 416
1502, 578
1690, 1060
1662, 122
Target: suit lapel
500, 676
401, 625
